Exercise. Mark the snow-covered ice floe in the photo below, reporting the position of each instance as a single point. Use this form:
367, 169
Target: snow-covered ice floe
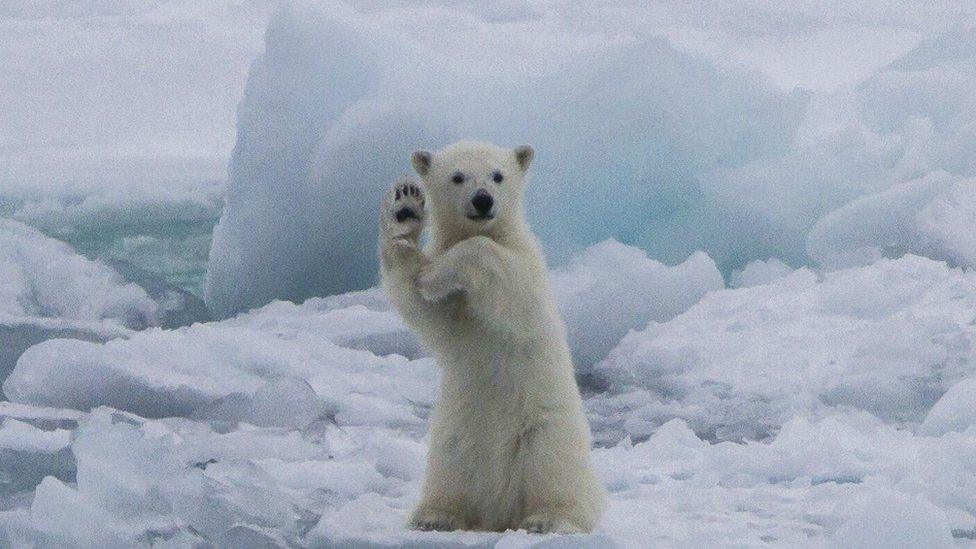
889, 338
778, 413
160, 373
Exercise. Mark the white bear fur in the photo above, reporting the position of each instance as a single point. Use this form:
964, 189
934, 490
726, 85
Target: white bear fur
509, 444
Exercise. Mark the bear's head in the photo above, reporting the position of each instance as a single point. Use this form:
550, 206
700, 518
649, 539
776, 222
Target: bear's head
474, 187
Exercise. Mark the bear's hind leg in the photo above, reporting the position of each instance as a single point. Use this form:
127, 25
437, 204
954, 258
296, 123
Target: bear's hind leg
561, 493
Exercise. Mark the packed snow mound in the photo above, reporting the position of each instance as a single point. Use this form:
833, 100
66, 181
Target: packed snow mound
610, 288
675, 479
44, 278
342, 96
889, 338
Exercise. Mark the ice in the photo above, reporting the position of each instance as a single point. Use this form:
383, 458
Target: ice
759, 272
159, 373
955, 411
773, 189
824, 399
889, 338
879, 169
221, 371
892, 520
948, 221
932, 216
639, 289
44, 278
47, 290
294, 439
341, 96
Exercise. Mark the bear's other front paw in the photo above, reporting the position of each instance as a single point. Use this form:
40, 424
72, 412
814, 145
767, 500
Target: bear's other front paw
436, 282
430, 520
403, 210
545, 522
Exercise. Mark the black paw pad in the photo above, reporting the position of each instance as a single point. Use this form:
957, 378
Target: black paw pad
404, 214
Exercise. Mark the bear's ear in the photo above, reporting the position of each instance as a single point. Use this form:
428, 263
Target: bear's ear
421, 161
524, 155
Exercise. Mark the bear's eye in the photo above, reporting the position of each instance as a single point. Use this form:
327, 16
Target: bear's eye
458, 178
497, 176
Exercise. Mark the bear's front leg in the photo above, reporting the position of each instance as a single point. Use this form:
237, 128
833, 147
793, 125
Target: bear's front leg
401, 222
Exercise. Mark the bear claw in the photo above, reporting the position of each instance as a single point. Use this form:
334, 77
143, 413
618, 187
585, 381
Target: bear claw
435, 521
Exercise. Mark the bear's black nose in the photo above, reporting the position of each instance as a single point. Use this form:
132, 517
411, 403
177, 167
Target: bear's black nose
482, 202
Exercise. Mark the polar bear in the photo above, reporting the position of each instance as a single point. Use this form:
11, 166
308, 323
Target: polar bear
509, 444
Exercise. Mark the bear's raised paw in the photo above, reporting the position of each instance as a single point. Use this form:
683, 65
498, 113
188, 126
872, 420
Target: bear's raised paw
403, 210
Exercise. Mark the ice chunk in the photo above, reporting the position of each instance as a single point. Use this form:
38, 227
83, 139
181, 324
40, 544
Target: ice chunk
47, 290
873, 172
886, 519
46, 278
40, 417
65, 517
28, 454
162, 373
757, 273
948, 221
931, 216
341, 96
18, 335
250, 537
955, 411
611, 288
286, 402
